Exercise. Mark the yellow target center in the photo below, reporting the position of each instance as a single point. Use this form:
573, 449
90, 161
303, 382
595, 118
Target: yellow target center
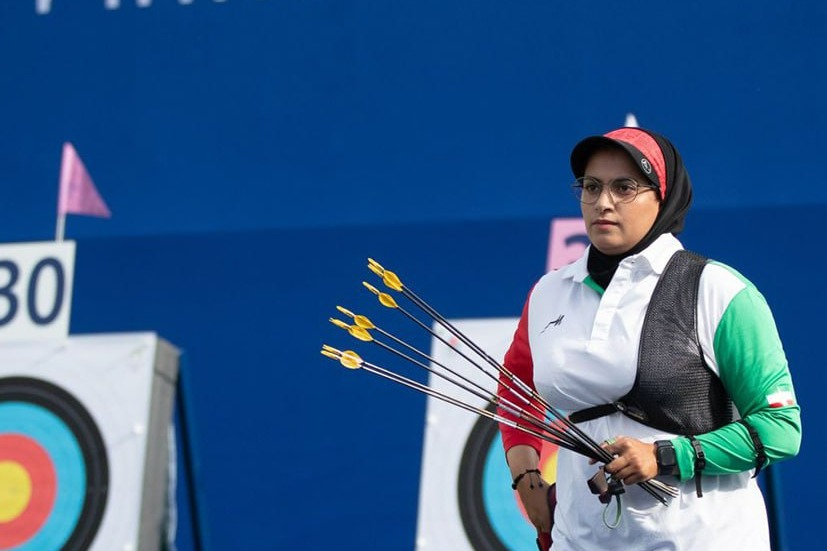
549, 468
15, 490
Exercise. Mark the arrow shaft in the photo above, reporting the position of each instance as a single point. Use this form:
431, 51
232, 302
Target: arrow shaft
415, 350
439, 318
647, 486
484, 394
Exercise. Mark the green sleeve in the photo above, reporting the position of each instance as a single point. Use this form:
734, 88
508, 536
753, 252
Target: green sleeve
753, 369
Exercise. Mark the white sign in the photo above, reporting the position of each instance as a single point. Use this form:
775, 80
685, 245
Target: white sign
36, 290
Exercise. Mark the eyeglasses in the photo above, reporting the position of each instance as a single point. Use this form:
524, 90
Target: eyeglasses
588, 190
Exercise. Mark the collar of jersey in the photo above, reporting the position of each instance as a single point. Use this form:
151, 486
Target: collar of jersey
654, 258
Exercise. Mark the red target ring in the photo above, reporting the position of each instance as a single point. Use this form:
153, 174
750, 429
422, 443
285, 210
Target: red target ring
20, 452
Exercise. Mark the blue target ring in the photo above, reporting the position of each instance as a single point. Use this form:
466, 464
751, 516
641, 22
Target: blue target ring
48, 430
498, 497
57, 422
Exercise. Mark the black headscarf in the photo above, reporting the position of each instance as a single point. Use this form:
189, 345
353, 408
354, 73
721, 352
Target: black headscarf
673, 207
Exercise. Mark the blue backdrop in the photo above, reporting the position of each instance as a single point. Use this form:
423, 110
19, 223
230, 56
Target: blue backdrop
250, 114
255, 152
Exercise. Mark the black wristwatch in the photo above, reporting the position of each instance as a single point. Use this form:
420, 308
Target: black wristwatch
667, 460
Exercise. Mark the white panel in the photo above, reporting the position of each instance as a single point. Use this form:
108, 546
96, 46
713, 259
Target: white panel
439, 525
112, 377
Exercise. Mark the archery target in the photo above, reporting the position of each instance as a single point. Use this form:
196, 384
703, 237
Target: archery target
75, 422
466, 502
53, 468
491, 512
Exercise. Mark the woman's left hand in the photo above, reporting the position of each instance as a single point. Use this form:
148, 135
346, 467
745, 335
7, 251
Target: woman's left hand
634, 461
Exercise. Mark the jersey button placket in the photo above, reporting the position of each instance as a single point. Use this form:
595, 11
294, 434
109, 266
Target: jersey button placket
608, 304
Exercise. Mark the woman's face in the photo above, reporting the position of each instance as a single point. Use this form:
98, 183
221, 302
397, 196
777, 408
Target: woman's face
614, 228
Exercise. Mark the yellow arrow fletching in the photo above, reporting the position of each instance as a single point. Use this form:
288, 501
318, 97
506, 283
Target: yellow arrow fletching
388, 278
360, 333
339, 323
345, 311
330, 349
387, 300
363, 322
351, 359
392, 280
330, 354
371, 288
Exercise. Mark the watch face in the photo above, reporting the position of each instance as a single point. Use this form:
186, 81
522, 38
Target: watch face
667, 460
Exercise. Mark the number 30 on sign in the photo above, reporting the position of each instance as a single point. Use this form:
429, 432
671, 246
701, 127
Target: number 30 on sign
36, 290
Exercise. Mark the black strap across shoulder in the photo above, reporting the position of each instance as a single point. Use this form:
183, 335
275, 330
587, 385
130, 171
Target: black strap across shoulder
594, 412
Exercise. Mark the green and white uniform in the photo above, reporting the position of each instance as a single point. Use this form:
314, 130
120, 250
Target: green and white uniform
589, 357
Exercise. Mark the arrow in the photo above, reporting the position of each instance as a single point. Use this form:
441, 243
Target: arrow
467, 384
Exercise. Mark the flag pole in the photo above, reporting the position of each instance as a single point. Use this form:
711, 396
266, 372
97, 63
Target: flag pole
61, 227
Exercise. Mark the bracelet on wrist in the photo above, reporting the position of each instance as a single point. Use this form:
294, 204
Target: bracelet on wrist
520, 476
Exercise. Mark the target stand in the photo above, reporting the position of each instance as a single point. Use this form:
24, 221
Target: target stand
84, 449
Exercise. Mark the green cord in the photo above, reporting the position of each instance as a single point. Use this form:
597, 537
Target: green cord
612, 526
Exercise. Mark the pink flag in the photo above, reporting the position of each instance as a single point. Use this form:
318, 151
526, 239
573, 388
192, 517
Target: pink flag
78, 194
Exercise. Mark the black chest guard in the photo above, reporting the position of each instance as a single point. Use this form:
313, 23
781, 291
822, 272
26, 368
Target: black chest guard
674, 390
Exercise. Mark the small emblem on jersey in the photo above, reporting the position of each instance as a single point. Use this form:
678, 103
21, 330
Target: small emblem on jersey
555, 323
780, 399
647, 167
